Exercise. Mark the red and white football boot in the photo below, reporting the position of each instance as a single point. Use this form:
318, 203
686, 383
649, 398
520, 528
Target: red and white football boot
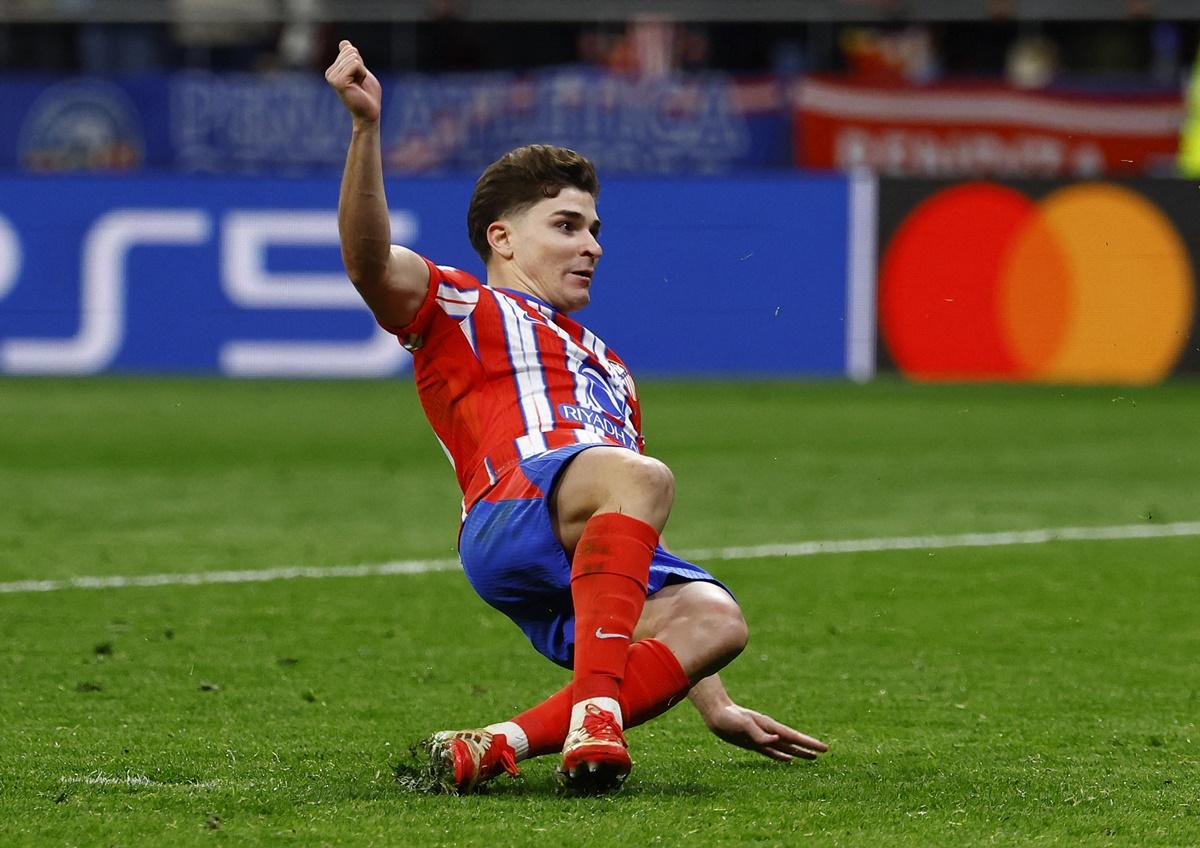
595, 755
462, 760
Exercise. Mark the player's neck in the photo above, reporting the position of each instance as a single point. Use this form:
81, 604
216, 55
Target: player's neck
511, 279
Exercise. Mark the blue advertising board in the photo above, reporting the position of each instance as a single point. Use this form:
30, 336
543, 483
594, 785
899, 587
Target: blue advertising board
243, 277
292, 123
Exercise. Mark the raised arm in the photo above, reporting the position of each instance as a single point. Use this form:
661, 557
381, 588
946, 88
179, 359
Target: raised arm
393, 280
749, 729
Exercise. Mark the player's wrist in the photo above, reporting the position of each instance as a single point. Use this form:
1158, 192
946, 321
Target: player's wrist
710, 700
361, 125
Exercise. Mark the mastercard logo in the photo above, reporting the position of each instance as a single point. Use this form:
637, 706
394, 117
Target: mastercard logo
1090, 284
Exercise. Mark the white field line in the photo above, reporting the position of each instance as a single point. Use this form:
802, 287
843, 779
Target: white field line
201, 578
962, 540
795, 549
101, 779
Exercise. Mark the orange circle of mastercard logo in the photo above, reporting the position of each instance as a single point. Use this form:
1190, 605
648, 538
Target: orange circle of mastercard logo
1091, 284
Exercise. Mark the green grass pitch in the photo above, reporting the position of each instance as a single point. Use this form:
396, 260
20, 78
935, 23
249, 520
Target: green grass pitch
1011, 695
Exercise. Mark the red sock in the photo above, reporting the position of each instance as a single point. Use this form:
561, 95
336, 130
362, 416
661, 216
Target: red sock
654, 682
546, 724
608, 589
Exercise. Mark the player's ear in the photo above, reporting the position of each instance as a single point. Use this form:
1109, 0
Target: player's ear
500, 239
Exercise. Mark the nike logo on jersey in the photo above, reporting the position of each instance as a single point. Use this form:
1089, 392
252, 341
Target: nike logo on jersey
600, 634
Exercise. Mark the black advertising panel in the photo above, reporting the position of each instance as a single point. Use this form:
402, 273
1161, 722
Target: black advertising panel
1055, 282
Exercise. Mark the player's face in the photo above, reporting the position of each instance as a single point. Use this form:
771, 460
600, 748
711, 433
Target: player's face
555, 250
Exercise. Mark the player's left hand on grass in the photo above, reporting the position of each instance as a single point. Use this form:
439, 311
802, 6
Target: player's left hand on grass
757, 732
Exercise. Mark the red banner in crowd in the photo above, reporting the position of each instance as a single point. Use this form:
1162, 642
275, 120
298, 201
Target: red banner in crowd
986, 130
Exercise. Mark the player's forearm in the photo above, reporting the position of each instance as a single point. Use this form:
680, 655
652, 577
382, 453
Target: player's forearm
709, 697
363, 223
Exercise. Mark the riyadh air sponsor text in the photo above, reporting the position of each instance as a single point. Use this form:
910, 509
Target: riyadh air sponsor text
598, 422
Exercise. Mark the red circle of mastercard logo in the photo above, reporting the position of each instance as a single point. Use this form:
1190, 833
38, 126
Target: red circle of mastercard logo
1090, 284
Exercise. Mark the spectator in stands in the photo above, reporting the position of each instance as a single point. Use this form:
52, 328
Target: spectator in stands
223, 35
119, 47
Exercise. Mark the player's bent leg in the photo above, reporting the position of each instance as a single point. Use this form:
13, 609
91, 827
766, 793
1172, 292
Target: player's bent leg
607, 508
700, 622
687, 632
609, 578
707, 630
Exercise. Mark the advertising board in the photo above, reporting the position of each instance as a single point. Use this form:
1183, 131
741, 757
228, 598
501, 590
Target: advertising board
1048, 281
243, 277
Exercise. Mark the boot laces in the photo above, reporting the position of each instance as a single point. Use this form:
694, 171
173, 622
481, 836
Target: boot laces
602, 725
499, 755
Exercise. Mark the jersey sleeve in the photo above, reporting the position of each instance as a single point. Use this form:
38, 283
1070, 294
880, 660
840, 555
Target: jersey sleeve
452, 296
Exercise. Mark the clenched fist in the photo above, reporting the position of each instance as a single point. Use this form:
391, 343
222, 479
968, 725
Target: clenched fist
357, 87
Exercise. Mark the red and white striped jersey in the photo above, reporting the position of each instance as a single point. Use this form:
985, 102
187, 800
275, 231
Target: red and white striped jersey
503, 376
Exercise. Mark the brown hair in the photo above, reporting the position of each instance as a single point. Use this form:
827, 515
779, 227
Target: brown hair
519, 179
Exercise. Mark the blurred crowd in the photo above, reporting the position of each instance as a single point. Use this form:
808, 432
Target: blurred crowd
234, 35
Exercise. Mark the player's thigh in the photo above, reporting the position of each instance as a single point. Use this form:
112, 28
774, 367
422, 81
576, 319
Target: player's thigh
610, 479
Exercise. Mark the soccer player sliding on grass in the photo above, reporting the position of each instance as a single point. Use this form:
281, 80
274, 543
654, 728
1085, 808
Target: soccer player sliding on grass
562, 511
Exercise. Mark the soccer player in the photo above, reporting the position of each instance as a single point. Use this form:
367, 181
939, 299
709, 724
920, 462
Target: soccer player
562, 512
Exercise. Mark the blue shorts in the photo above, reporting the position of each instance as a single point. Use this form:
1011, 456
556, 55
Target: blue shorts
515, 562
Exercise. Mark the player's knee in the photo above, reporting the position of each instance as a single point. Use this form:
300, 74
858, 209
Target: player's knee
640, 486
720, 624
728, 627
700, 622
653, 479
